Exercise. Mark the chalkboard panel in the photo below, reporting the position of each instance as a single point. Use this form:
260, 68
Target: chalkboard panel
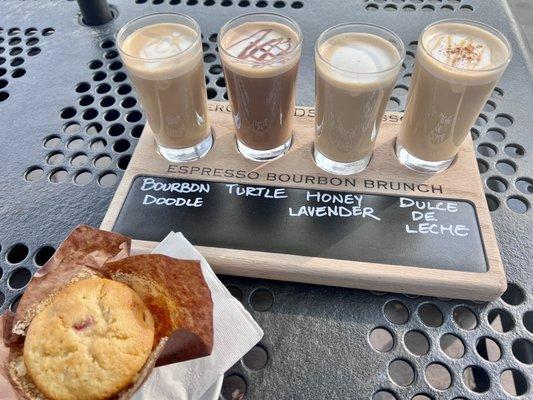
413, 231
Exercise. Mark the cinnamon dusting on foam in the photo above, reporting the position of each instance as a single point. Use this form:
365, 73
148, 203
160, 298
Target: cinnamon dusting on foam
465, 47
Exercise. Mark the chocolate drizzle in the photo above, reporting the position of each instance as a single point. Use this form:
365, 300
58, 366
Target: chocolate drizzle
260, 48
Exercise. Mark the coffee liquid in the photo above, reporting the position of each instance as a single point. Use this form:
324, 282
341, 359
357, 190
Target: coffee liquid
260, 73
352, 92
457, 67
165, 63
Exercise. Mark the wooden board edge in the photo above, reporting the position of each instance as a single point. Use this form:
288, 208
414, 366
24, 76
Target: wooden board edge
350, 274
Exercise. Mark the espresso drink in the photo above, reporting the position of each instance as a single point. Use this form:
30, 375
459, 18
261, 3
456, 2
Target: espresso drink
355, 75
260, 60
457, 66
165, 63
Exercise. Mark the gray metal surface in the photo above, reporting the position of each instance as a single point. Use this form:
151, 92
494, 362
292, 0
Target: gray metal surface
318, 340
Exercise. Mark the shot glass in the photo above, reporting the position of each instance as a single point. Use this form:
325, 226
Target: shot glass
458, 63
356, 68
163, 55
260, 54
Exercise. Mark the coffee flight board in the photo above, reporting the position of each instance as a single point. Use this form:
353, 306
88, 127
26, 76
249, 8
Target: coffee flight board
387, 228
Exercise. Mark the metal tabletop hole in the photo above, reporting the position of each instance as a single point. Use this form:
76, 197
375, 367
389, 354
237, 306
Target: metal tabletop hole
67, 113
525, 185
513, 382
55, 158
497, 184
383, 395
422, 396
476, 379
396, 312
116, 130
504, 120
103, 88
85, 100
492, 202
430, 315
523, 350
124, 89
123, 162
261, 300
82, 87
500, 320
58, 176
82, 178
78, 159
527, 320
506, 167
452, 346
90, 113
438, 376
496, 134
17, 253
488, 349
514, 150
108, 179
75, 143
71, 127
233, 387
256, 359
490, 106
93, 128
514, 295
134, 116
102, 161
401, 372
137, 130
482, 166
42, 255
107, 101
19, 278
33, 174
120, 146
518, 204
98, 144
487, 149
416, 342
381, 339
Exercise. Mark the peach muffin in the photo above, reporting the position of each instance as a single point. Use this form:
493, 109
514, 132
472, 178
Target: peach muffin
89, 342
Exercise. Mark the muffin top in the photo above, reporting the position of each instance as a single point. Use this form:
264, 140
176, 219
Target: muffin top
89, 342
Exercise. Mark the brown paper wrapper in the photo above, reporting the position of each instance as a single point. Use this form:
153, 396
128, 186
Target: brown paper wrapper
174, 291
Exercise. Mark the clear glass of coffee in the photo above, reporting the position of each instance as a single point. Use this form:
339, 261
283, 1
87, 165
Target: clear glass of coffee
163, 55
458, 63
356, 68
260, 55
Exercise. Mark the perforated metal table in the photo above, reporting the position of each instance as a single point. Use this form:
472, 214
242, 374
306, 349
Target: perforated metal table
69, 121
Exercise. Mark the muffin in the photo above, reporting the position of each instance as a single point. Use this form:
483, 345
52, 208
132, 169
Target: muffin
90, 342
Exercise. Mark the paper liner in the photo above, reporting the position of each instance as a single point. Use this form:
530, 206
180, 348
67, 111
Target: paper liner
174, 291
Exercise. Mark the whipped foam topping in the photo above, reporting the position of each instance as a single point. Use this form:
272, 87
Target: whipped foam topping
159, 41
470, 49
359, 52
261, 42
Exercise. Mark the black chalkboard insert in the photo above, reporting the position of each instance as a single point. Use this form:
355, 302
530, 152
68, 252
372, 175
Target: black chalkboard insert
409, 231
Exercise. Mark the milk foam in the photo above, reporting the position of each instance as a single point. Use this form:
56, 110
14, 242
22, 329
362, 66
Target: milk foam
152, 49
465, 47
359, 53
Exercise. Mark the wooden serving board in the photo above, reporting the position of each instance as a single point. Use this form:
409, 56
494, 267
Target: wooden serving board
387, 228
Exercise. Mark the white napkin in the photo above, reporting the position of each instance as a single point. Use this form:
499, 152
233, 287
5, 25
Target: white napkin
235, 333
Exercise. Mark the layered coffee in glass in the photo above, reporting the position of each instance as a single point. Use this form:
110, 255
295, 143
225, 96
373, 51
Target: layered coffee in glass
260, 54
163, 56
458, 63
356, 68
